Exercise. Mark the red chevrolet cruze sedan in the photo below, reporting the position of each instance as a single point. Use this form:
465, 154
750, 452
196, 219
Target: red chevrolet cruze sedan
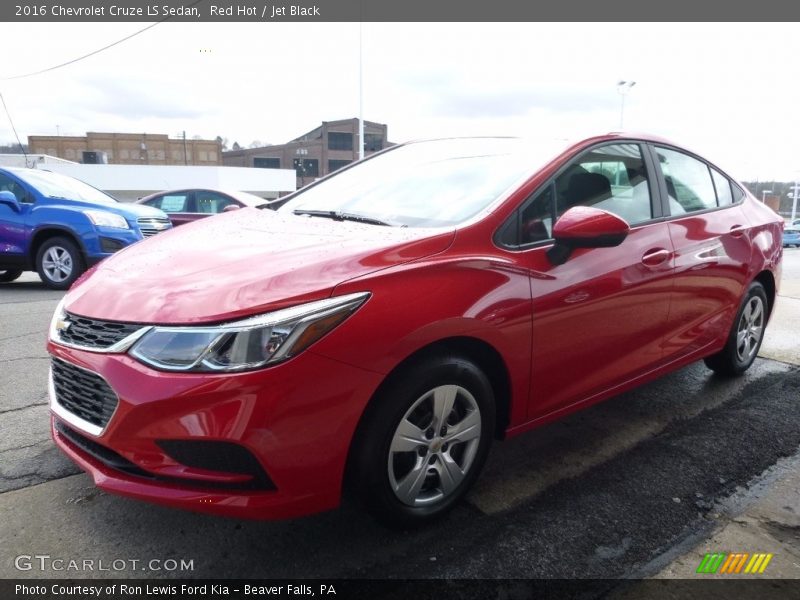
385, 324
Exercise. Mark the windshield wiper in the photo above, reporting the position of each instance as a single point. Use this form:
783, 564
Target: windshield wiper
337, 215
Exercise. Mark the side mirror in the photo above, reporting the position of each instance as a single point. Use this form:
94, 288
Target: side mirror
231, 208
9, 198
585, 227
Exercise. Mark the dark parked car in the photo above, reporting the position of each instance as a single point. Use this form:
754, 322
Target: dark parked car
386, 323
185, 206
60, 226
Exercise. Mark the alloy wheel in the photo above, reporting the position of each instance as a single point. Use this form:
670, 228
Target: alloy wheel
750, 329
434, 446
57, 264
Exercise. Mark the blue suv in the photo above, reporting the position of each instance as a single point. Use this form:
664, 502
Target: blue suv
60, 226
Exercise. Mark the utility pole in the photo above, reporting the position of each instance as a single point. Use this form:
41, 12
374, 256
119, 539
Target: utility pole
795, 191
185, 154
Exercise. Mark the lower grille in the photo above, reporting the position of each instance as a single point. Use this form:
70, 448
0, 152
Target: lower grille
150, 226
83, 393
110, 245
260, 482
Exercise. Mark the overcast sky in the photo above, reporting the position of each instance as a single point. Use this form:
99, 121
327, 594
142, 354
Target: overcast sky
728, 91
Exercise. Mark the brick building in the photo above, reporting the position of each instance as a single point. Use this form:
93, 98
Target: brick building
128, 149
330, 146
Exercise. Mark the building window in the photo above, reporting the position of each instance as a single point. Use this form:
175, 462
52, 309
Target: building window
373, 142
267, 163
340, 141
335, 165
306, 167
212, 155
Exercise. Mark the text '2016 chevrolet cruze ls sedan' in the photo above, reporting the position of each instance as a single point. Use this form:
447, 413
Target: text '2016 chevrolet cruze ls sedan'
380, 328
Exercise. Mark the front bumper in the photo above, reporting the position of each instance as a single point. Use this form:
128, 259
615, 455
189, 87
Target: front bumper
295, 419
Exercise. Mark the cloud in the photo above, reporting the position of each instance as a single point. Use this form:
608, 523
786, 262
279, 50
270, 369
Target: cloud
461, 101
144, 99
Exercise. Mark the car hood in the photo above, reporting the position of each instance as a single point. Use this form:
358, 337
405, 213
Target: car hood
242, 263
130, 211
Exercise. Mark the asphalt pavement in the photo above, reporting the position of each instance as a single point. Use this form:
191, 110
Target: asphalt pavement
630, 487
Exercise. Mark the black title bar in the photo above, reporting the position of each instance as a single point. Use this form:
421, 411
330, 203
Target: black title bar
197, 11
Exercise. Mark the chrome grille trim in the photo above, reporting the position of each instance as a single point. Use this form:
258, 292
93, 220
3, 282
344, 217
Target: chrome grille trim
150, 226
95, 335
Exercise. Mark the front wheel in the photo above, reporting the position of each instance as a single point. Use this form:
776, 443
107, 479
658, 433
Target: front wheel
424, 441
59, 263
9, 275
746, 335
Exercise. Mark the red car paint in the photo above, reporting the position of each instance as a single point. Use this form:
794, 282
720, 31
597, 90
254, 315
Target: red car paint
671, 289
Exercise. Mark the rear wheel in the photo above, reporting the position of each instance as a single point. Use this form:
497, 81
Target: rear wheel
59, 263
745, 336
8, 275
424, 441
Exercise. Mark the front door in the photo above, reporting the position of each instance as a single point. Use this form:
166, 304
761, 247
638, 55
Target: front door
600, 318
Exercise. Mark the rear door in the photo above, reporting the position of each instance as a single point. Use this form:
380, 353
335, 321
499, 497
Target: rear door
709, 232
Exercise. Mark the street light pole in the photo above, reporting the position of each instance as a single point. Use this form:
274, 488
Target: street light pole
361, 90
796, 190
623, 87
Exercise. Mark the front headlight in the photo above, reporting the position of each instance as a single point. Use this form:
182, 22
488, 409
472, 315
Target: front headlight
58, 321
247, 344
104, 218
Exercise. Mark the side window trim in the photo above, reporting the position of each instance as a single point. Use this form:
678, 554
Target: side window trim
657, 192
663, 193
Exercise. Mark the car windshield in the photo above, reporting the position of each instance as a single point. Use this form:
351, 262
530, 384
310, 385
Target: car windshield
423, 184
60, 186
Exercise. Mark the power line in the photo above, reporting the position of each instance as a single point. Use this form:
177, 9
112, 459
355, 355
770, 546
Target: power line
74, 60
98, 51
14, 129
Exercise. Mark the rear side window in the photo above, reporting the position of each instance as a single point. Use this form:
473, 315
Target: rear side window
723, 187
173, 203
689, 184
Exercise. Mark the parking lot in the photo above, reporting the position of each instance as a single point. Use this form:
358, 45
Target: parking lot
616, 490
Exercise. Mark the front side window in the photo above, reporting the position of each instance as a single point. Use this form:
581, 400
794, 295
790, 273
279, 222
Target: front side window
9, 185
689, 185
611, 178
211, 203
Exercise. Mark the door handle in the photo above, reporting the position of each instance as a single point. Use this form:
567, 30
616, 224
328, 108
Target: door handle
655, 257
737, 230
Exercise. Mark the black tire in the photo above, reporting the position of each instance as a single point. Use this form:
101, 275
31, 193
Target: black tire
741, 350
381, 473
59, 275
8, 275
